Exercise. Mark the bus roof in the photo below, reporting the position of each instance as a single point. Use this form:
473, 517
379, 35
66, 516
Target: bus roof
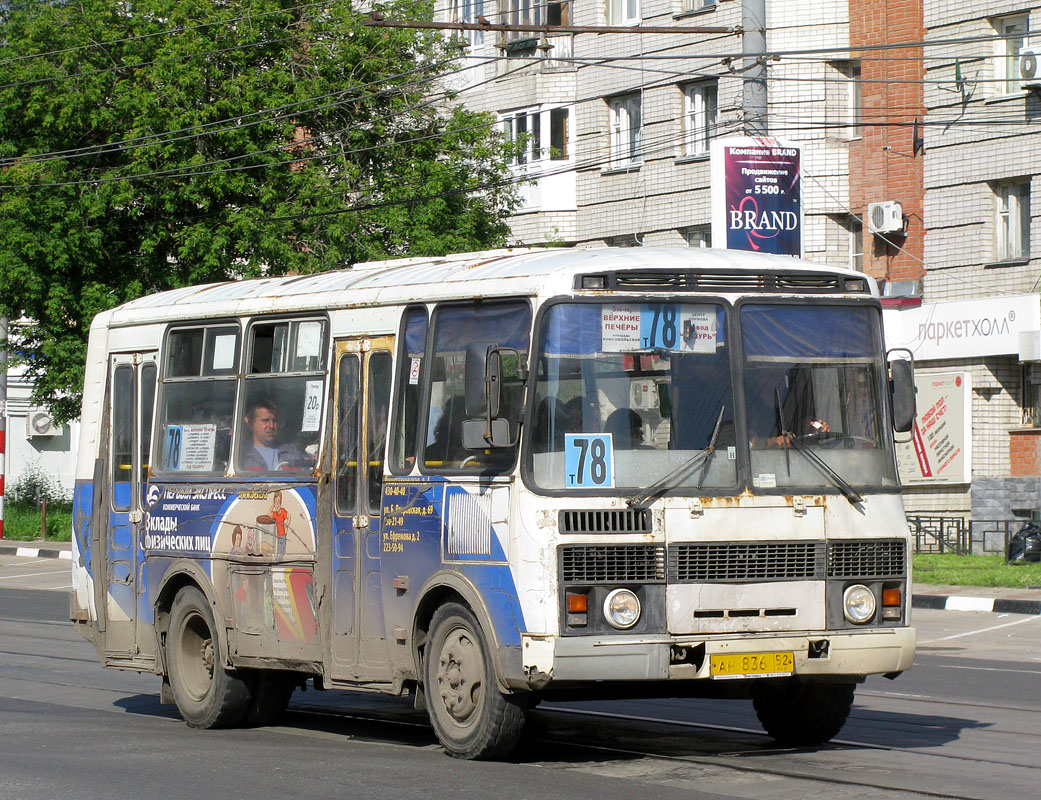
491, 273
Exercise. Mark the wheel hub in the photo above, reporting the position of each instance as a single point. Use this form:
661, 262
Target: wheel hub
460, 675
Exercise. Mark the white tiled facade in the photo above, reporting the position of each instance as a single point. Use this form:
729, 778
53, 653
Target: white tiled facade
978, 135
659, 200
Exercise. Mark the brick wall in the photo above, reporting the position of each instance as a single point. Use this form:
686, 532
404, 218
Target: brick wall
883, 165
1025, 452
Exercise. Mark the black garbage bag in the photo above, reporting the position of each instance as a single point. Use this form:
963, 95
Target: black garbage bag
1025, 545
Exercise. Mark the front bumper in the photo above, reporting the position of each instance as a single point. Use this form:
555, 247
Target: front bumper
548, 659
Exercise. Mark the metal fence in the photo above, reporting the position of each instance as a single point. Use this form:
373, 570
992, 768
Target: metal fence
961, 536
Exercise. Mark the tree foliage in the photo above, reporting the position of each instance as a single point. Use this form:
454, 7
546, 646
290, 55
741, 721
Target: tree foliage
150, 144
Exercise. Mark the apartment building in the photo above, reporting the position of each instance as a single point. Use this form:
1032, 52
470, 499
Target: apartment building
977, 328
619, 124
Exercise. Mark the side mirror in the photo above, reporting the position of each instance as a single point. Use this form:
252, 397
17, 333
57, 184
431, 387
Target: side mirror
902, 393
483, 377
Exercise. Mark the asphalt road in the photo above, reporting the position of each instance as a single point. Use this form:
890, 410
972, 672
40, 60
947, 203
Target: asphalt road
964, 723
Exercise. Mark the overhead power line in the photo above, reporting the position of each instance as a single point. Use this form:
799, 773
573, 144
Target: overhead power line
555, 30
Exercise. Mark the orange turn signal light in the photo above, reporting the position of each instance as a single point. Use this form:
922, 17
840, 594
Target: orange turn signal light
890, 597
577, 603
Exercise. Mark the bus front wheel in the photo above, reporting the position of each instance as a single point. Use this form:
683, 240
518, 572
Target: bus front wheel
207, 695
803, 714
471, 717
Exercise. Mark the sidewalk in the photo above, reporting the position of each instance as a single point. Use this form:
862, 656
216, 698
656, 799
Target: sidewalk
924, 595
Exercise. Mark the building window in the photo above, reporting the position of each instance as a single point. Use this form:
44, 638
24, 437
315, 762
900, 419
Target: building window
700, 116
1012, 220
698, 236
856, 243
851, 110
1032, 395
534, 12
558, 134
626, 124
623, 12
1006, 55
525, 129
468, 11
697, 5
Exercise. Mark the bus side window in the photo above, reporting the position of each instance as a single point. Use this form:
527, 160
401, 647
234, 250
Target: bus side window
279, 419
348, 431
147, 405
122, 435
379, 407
507, 324
197, 404
410, 374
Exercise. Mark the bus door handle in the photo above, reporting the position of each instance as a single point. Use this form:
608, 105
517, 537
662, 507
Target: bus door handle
361, 521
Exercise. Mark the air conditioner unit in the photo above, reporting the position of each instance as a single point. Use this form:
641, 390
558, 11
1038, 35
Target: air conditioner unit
39, 422
1029, 70
885, 217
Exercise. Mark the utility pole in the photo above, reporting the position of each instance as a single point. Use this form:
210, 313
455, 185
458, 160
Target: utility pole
753, 22
3, 416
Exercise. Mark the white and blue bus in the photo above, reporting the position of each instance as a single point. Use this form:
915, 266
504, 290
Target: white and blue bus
482, 480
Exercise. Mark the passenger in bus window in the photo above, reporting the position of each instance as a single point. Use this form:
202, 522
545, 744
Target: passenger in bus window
261, 450
626, 429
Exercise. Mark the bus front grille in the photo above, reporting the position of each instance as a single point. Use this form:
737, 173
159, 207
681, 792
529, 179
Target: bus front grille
630, 520
859, 558
614, 563
717, 562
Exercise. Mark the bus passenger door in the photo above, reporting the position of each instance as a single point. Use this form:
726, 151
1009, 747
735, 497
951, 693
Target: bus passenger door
132, 380
358, 647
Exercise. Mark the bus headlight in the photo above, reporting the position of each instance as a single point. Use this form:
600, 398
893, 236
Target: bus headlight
858, 604
621, 609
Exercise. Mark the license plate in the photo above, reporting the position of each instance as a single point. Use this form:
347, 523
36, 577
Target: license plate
752, 665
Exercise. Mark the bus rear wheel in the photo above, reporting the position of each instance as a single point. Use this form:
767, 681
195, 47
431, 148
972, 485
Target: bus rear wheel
471, 717
207, 695
803, 714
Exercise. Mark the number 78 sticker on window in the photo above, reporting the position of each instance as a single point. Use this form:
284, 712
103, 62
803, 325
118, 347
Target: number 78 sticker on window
589, 460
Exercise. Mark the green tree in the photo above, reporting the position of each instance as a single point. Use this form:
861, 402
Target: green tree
150, 144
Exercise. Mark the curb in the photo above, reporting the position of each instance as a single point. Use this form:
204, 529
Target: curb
1000, 605
34, 552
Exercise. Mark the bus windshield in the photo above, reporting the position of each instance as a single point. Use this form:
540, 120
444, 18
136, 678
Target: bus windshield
813, 390
627, 393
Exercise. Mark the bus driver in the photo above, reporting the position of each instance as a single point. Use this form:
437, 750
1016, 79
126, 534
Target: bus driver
260, 448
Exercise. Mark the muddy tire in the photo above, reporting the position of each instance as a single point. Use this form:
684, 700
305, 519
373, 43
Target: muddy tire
471, 717
207, 695
803, 714
269, 693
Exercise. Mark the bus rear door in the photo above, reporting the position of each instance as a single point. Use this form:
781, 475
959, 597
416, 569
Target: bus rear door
132, 381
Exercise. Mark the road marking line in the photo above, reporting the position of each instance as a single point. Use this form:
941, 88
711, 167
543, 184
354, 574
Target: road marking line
30, 575
981, 630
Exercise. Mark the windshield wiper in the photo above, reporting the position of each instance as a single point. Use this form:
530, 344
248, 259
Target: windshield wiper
711, 449
790, 438
674, 477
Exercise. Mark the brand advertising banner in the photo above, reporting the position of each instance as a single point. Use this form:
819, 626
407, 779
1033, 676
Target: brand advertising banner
757, 195
939, 450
